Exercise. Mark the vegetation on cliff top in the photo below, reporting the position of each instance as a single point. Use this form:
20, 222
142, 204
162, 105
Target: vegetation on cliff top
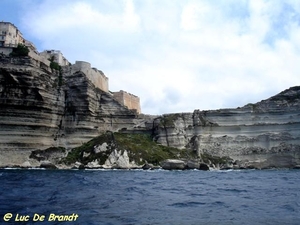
20, 50
140, 148
168, 120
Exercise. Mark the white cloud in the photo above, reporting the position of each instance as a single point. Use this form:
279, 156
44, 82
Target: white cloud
178, 56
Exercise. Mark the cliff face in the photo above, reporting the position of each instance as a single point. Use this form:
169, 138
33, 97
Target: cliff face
262, 135
41, 109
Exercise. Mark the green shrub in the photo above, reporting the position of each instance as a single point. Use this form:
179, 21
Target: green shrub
20, 50
55, 66
168, 120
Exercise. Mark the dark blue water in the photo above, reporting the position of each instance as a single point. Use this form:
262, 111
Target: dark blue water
153, 197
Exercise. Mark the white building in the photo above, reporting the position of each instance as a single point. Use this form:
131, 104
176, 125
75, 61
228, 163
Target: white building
10, 36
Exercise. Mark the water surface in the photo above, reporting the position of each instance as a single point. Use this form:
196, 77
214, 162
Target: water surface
103, 197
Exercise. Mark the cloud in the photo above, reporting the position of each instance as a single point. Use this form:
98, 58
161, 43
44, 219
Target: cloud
178, 55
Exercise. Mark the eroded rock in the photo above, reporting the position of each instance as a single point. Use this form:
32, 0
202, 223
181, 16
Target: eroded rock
266, 130
173, 164
47, 165
203, 166
119, 160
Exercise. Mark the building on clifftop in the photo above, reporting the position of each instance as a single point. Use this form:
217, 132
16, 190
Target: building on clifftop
127, 99
10, 37
56, 56
96, 76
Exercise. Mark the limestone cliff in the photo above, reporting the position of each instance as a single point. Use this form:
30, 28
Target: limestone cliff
42, 108
263, 135
58, 110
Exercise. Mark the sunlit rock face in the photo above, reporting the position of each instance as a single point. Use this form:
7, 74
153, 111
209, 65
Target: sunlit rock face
40, 108
265, 134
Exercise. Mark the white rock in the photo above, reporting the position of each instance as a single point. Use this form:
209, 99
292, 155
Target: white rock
77, 165
26, 164
100, 148
123, 161
86, 154
93, 164
119, 160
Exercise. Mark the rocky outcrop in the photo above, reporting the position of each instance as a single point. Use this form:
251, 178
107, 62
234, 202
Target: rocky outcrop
119, 160
150, 166
121, 151
261, 135
47, 165
173, 164
176, 164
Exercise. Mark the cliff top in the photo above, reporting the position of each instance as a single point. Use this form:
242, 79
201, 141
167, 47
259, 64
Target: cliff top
291, 95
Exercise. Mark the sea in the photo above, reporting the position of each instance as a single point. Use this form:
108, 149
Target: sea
109, 197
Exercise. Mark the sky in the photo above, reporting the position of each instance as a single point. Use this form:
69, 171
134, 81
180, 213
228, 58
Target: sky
176, 55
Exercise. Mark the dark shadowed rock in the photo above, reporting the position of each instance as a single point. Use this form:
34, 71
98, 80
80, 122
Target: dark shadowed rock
203, 166
47, 165
147, 166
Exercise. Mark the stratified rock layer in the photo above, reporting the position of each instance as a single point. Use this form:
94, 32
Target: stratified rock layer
41, 109
265, 134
